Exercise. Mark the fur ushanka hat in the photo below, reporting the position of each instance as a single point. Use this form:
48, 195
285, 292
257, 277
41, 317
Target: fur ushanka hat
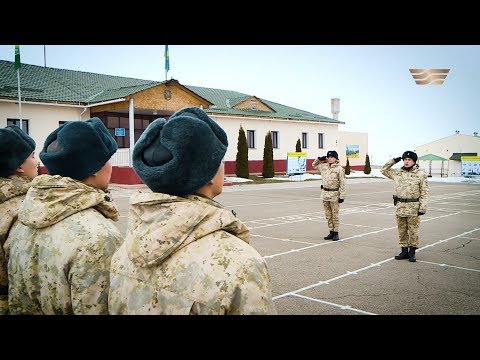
180, 155
15, 147
78, 149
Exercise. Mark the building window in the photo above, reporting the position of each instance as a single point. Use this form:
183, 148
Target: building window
118, 126
304, 140
17, 122
251, 139
320, 140
274, 139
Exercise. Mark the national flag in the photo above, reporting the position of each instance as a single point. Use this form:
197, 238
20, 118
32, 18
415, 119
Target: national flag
167, 59
17, 57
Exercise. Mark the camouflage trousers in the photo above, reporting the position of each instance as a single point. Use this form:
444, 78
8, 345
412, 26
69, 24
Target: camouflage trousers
3, 304
408, 230
331, 214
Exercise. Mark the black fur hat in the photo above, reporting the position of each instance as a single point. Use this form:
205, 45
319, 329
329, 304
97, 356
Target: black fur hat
78, 149
180, 155
411, 155
15, 147
332, 153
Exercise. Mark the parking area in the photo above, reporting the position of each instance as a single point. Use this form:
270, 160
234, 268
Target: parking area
358, 274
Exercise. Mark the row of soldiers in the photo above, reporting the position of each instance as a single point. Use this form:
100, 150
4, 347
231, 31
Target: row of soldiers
410, 199
184, 253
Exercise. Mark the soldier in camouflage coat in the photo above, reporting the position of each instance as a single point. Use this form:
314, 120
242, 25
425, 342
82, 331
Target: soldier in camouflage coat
17, 169
60, 252
410, 199
333, 190
184, 253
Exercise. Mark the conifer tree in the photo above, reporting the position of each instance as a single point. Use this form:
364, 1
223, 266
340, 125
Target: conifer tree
347, 168
367, 169
241, 163
298, 146
268, 168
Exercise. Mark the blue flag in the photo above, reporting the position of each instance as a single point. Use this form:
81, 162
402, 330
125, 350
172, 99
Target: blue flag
167, 59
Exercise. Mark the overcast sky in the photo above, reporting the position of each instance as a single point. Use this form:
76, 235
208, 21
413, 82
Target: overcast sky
377, 93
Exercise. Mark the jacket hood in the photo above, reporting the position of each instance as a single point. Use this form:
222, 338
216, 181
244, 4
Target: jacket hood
161, 224
13, 186
52, 198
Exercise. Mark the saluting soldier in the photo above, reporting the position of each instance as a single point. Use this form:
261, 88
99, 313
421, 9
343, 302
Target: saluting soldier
410, 200
18, 167
333, 190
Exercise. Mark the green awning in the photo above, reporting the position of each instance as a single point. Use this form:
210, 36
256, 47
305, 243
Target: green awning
458, 156
431, 157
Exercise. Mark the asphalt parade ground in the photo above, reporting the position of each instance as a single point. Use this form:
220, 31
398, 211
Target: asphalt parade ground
358, 274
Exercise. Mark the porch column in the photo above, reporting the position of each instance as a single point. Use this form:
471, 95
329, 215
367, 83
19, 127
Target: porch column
131, 130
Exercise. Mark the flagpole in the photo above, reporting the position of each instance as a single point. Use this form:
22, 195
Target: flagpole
18, 64
19, 99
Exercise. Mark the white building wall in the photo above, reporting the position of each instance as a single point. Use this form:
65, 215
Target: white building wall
42, 119
446, 147
288, 134
352, 138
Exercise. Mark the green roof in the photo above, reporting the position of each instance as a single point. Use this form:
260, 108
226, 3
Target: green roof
40, 83
431, 157
458, 156
224, 100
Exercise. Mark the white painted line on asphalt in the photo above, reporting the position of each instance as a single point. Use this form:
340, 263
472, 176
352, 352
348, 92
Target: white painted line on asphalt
450, 238
355, 272
446, 265
328, 243
270, 203
343, 307
466, 237
287, 240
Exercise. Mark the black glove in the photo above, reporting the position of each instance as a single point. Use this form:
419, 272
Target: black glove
341, 200
322, 158
397, 159
421, 213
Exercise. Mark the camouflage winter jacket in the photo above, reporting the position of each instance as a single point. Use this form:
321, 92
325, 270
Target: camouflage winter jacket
60, 251
333, 177
187, 255
411, 184
12, 193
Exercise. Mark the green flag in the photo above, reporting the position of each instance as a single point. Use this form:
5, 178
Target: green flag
17, 57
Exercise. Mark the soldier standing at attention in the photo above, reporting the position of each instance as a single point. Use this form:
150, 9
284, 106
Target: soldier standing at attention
184, 253
333, 189
410, 200
60, 250
18, 167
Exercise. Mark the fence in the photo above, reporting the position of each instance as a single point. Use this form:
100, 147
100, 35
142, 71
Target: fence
121, 157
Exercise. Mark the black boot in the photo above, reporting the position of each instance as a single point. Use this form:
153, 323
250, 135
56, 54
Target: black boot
403, 254
411, 254
329, 236
335, 236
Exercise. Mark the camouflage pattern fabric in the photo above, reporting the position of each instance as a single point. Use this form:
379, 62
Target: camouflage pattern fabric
331, 214
411, 184
12, 193
333, 177
185, 256
60, 251
408, 230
